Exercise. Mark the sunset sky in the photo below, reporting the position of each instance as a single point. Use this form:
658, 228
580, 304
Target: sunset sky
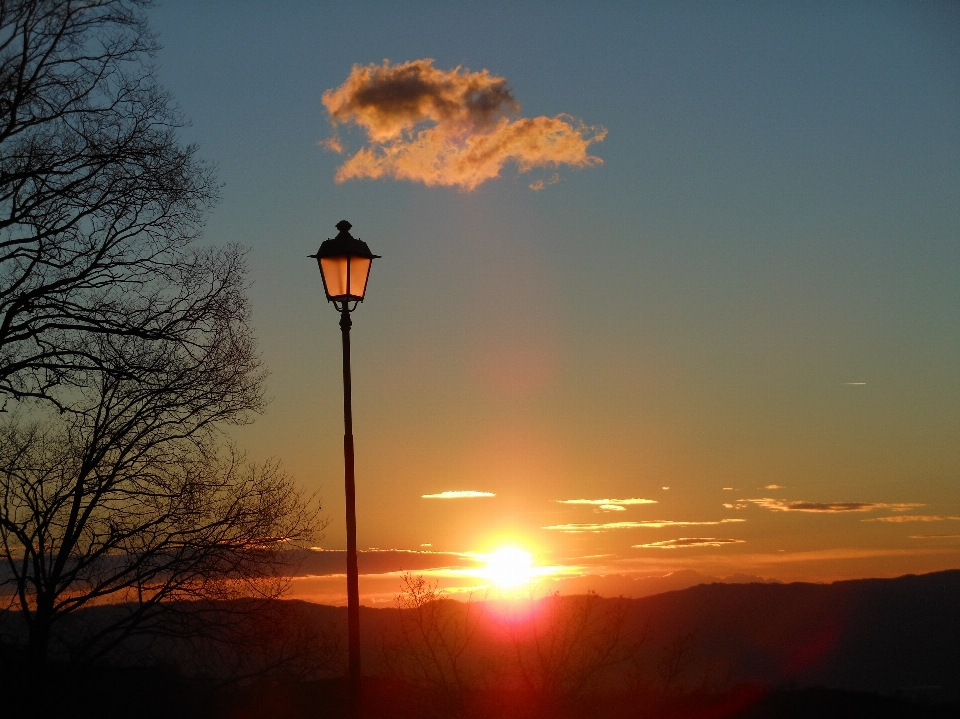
665, 287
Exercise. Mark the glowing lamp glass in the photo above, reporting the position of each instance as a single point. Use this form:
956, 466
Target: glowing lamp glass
345, 277
345, 266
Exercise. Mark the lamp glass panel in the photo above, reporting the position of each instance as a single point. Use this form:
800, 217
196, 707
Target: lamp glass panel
359, 271
334, 271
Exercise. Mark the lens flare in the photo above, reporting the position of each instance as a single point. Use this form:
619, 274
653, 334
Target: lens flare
509, 567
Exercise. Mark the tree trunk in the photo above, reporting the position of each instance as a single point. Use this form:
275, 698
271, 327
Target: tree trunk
40, 633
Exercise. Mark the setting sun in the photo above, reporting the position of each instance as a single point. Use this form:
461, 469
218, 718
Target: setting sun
509, 567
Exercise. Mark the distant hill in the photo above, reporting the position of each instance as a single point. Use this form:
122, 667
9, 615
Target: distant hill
898, 637
886, 635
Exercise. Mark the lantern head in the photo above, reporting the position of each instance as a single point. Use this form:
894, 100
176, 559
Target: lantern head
345, 263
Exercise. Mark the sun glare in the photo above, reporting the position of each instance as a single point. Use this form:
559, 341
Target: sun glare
509, 567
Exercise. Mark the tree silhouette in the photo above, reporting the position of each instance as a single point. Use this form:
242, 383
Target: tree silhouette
568, 645
123, 348
98, 200
130, 499
434, 634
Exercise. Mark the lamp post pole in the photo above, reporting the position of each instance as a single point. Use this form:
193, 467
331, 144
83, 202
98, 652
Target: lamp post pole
350, 490
345, 263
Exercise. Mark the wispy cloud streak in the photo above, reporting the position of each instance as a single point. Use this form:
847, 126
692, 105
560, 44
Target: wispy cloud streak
635, 500
782, 506
900, 518
683, 542
459, 494
447, 127
608, 505
609, 526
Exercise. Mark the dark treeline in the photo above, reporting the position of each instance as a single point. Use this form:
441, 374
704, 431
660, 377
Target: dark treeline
868, 648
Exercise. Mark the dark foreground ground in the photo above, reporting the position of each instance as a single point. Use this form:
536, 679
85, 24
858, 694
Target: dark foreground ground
156, 693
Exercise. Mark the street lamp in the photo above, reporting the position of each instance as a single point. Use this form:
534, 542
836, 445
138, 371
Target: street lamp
345, 266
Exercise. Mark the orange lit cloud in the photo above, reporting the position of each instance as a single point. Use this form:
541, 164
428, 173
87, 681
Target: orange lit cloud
447, 127
540, 184
459, 494
333, 144
608, 526
689, 542
912, 518
781, 506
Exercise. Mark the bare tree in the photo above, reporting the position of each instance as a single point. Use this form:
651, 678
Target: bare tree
434, 636
99, 202
568, 645
673, 664
133, 503
138, 342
